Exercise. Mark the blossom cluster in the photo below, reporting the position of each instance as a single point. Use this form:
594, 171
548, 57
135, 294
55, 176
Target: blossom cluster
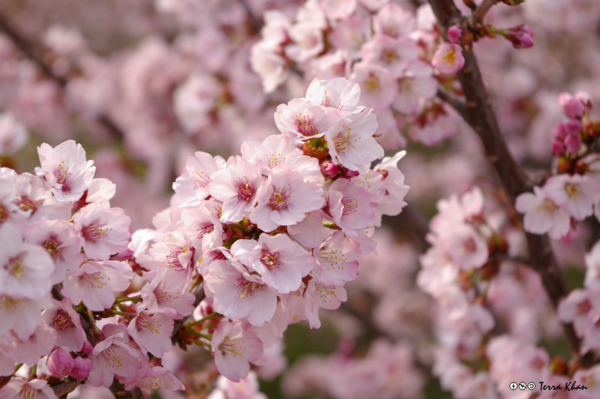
572, 193
377, 44
277, 232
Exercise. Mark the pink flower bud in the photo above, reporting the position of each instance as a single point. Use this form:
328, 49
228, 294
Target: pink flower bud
329, 170
560, 132
585, 99
81, 368
558, 148
520, 36
87, 348
60, 363
455, 34
568, 238
572, 107
573, 144
573, 127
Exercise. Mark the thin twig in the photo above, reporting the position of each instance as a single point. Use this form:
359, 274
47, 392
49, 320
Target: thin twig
459, 105
482, 10
482, 119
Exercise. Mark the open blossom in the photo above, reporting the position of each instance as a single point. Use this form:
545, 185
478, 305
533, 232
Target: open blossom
21, 315
95, 282
392, 20
105, 230
350, 206
239, 294
13, 134
284, 199
66, 322
338, 93
157, 378
24, 268
351, 143
377, 83
152, 330
192, 187
448, 58
235, 346
18, 388
389, 53
542, 214
281, 262
415, 86
576, 194
337, 260
236, 186
65, 169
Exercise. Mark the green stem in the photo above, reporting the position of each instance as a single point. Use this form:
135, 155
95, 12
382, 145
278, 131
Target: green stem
124, 314
210, 316
32, 373
134, 299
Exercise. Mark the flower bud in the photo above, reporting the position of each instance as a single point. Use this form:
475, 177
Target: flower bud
329, 170
81, 368
560, 132
572, 107
521, 36
558, 148
573, 144
60, 363
455, 34
573, 127
87, 348
585, 99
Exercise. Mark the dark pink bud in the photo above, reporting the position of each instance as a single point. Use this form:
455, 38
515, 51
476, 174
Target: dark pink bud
87, 348
60, 363
520, 36
455, 34
560, 132
81, 368
573, 127
558, 148
329, 170
573, 144
571, 235
585, 99
572, 107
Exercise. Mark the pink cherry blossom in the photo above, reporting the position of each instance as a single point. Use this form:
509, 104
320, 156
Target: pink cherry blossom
284, 199
415, 86
281, 262
65, 169
337, 260
158, 378
18, 388
448, 58
192, 186
338, 93
392, 54
350, 206
60, 362
62, 317
21, 315
13, 134
576, 194
377, 84
542, 214
572, 106
392, 20
81, 368
152, 330
234, 347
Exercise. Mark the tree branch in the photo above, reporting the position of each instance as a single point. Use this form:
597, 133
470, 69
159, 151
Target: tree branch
481, 10
482, 119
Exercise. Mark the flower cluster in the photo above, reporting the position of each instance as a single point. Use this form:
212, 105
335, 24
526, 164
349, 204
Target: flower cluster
573, 193
376, 44
276, 232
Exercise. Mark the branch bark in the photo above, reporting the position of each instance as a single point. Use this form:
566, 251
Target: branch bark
481, 117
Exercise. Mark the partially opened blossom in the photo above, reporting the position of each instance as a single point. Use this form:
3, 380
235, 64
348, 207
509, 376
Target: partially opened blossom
448, 58
542, 214
65, 168
235, 346
281, 262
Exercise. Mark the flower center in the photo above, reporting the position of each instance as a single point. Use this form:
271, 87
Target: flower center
209, 228
279, 200
234, 347
342, 141
572, 190
450, 57
62, 321
9, 304
271, 260
246, 287
202, 181
389, 56
147, 323
94, 232
111, 358
25, 203
245, 189
53, 247
15, 267
372, 83
306, 125
584, 307
350, 206
3, 213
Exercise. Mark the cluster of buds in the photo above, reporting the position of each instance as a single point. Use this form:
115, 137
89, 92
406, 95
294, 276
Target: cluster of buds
572, 194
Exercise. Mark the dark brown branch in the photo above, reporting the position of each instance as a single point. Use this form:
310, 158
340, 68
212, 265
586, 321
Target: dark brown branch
65, 387
198, 291
119, 392
455, 102
481, 10
482, 119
